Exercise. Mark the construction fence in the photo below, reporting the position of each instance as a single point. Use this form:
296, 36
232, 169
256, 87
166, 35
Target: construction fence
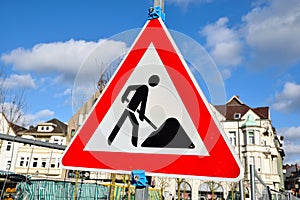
60, 190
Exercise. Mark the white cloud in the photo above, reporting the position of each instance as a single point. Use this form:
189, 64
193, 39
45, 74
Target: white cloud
185, 3
66, 92
292, 152
290, 134
291, 148
291, 143
19, 81
288, 99
67, 95
62, 58
224, 44
272, 31
31, 119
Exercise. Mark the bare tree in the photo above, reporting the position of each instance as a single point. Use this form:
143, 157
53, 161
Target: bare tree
213, 187
12, 102
179, 181
163, 183
233, 190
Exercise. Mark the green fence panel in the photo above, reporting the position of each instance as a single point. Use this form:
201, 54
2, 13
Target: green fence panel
59, 190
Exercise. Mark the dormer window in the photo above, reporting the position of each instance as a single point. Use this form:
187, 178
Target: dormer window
46, 127
237, 116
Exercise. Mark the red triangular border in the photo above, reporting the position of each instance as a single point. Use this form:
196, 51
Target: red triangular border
221, 162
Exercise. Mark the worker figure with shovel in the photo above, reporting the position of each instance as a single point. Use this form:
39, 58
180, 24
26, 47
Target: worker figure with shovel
139, 98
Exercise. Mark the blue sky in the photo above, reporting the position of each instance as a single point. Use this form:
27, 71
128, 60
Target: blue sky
255, 45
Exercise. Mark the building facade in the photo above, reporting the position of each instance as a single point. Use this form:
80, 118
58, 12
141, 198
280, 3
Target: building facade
8, 150
40, 162
251, 132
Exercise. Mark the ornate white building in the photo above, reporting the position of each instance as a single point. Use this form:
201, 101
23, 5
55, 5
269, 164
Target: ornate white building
255, 140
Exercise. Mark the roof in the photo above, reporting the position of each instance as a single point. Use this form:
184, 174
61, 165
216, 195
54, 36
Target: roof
59, 128
235, 105
16, 128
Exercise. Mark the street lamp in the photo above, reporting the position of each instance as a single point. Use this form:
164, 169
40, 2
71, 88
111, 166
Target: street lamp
83, 175
237, 117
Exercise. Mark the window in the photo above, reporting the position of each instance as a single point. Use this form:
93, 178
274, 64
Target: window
72, 132
22, 161
80, 120
251, 160
8, 147
274, 164
71, 174
232, 137
27, 162
237, 116
251, 137
52, 162
8, 165
35, 161
259, 164
55, 141
245, 163
43, 165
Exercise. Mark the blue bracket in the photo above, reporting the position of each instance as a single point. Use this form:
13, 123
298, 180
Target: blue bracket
138, 178
156, 12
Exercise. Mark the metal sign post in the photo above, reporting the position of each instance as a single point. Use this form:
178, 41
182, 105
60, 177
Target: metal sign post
252, 180
159, 3
139, 180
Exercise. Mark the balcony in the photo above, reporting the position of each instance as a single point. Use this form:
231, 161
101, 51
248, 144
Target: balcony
38, 150
270, 178
266, 150
38, 171
257, 148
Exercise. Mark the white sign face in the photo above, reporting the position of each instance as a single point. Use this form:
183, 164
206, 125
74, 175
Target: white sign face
164, 108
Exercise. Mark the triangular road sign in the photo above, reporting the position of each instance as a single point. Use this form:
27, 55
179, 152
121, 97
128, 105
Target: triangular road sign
153, 116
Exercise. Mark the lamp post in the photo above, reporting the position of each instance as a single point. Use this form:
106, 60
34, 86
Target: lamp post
241, 185
83, 175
